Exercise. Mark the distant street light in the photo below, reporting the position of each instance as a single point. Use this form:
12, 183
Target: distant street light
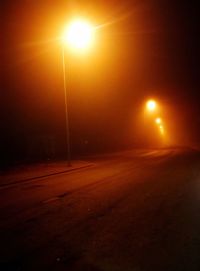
161, 129
78, 35
158, 120
151, 105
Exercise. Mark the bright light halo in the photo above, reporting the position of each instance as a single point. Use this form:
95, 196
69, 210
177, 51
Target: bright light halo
151, 105
78, 35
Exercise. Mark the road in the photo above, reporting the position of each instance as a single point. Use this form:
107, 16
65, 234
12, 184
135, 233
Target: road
130, 211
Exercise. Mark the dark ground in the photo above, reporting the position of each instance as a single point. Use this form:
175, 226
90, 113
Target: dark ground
136, 211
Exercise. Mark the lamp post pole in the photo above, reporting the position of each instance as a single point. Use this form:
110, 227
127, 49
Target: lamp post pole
66, 110
78, 35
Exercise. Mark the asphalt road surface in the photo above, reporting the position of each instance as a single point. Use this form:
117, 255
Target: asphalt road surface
130, 211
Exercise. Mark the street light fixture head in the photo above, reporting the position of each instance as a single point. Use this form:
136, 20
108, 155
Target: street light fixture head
151, 105
78, 34
158, 120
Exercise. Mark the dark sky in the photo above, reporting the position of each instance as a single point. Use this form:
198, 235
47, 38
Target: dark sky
144, 49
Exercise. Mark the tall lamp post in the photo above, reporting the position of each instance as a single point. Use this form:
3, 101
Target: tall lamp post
66, 111
78, 36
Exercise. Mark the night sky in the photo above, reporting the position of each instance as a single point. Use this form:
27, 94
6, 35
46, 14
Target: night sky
143, 49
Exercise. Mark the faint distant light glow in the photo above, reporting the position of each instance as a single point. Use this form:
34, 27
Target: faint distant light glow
161, 129
151, 105
158, 120
78, 35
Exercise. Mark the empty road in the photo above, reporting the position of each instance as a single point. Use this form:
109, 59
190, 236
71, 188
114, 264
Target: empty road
129, 211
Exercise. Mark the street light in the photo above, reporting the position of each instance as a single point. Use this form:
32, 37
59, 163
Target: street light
158, 120
161, 129
78, 35
151, 105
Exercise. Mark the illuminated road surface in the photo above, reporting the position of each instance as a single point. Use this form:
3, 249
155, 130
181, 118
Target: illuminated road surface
132, 211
